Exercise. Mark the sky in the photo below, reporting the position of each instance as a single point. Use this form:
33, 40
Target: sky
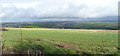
23, 10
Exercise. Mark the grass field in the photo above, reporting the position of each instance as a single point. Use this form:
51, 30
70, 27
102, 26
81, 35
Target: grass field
63, 41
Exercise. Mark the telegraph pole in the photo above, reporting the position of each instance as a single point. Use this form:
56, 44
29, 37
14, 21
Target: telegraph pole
21, 31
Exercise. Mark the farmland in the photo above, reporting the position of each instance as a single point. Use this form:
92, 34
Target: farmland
61, 41
65, 25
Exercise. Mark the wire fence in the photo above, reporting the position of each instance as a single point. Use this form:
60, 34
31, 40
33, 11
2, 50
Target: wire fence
0, 37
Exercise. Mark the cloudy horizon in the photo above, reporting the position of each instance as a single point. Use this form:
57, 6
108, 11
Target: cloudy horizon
35, 9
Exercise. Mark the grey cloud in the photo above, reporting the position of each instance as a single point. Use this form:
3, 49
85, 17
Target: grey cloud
45, 8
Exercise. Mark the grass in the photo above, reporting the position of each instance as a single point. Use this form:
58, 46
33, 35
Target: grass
83, 41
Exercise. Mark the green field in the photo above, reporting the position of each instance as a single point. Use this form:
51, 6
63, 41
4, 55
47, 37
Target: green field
62, 41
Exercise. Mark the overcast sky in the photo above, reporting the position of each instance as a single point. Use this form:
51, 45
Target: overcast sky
34, 9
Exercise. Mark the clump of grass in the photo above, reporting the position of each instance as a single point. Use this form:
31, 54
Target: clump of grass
3, 46
26, 47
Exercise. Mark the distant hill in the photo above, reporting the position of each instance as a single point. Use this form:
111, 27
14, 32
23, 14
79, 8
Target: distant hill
64, 19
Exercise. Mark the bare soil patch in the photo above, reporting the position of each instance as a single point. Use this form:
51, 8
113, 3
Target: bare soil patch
4, 30
38, 39
64, 46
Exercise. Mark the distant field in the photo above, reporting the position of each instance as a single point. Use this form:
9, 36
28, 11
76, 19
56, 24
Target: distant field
64, 41
66, 25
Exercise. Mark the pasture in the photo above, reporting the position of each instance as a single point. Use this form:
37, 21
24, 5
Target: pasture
63, 41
